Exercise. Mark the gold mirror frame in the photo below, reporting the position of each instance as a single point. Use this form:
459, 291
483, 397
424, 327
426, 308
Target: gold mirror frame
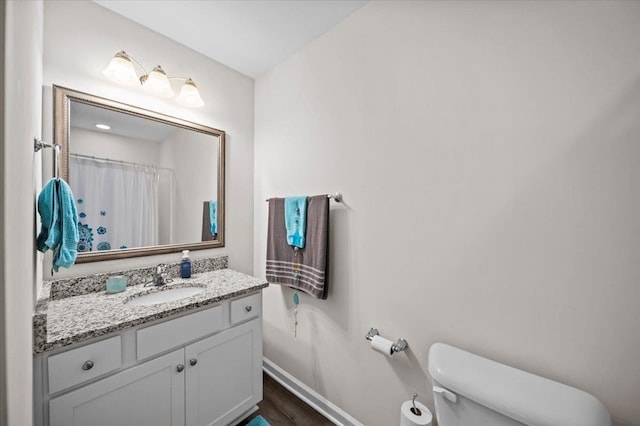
62, 98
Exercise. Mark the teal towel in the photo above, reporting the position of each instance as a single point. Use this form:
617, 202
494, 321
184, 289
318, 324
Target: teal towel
213, 216
295, 220
258, 421
59, 217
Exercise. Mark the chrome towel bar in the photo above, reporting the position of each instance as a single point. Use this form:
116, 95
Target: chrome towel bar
39, 144
336, 196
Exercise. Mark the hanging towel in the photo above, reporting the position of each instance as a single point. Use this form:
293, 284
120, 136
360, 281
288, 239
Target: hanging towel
207, 228
213, 216
295, 220
59, 218
302, 269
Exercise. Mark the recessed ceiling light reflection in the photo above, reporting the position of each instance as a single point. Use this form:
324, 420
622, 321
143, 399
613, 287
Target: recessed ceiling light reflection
103, 126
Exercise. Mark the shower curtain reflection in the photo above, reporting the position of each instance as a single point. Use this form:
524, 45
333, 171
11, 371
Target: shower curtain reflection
120, 204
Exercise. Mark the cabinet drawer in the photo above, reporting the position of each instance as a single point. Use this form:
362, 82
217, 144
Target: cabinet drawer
245, 308
79, 365
176, 332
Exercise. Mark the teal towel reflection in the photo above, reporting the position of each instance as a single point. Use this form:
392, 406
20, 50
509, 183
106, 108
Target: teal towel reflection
213, 216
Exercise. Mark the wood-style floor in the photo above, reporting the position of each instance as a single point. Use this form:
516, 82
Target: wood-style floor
282, 408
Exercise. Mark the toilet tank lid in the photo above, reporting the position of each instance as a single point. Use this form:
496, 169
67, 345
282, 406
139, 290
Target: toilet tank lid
522, 396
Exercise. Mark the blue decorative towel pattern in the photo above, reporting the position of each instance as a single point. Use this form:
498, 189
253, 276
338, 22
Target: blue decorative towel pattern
258, 421
213, 216
295, 220
59, 217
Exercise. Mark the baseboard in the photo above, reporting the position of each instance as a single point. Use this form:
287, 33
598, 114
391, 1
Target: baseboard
319, 403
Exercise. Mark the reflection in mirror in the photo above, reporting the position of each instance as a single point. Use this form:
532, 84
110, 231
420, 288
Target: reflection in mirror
144, 183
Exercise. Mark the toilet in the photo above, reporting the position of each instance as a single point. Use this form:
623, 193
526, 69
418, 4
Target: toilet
470, 390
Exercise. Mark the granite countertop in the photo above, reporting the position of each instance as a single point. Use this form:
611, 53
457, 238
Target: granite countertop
70, 320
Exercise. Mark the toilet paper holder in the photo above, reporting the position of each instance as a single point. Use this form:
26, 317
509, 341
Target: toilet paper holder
399, 345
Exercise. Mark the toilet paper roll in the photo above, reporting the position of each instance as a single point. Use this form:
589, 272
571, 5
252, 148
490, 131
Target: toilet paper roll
382, 345
422, 417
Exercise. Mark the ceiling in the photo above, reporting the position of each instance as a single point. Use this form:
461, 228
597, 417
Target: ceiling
86, 117
250, 36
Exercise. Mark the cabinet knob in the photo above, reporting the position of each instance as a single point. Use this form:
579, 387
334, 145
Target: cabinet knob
248, 308
88, 365
193, 361
179, 368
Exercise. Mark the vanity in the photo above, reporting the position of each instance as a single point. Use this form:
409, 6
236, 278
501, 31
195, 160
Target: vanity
188, 352
100, 359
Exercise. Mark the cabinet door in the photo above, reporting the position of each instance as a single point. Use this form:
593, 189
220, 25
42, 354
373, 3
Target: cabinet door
225, 379
151, 393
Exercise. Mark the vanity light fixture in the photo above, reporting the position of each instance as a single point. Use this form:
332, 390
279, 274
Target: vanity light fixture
103, 126
157, 83
189, 94
121, 70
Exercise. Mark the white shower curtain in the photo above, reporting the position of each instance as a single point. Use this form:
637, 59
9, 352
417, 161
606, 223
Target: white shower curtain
117, 204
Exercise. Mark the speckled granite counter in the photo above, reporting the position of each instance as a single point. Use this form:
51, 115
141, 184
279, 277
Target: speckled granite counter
64, 321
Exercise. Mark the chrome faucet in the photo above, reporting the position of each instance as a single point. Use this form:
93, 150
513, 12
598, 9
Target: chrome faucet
159, 278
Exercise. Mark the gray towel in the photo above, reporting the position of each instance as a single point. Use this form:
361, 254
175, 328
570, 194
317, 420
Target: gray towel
303, 269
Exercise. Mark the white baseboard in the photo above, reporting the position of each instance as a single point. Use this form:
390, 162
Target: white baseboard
319, 403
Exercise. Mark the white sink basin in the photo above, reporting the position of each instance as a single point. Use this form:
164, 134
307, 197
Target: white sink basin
164, 296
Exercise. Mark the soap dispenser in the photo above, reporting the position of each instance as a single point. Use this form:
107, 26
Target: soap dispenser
185, 265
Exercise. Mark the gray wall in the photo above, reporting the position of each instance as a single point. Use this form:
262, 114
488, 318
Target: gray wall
489, 160
21, 180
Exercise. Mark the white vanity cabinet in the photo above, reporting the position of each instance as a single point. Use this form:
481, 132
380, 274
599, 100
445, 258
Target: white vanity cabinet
223, 376
207, 370
151, 393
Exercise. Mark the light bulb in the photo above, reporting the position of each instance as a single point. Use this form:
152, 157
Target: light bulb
189, 95
157, 83
120, 70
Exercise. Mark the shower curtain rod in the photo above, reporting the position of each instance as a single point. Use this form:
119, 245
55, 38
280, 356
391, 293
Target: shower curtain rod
128, 163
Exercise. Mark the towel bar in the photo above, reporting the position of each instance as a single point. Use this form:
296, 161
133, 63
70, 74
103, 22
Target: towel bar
336, 196
39, 144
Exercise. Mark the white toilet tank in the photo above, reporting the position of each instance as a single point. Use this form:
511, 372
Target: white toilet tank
470, 390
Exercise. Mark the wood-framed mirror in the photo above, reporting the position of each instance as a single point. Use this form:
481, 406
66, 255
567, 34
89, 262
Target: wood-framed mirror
145, 183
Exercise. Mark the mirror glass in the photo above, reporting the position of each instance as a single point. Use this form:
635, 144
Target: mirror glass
144, 183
